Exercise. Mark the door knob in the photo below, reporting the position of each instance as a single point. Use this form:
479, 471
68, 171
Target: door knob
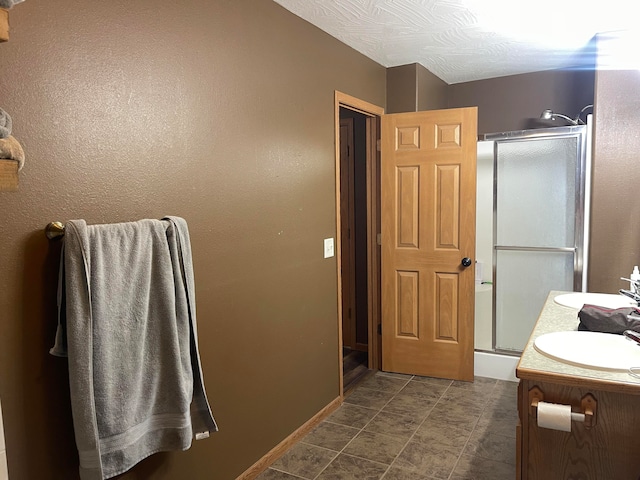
466, 262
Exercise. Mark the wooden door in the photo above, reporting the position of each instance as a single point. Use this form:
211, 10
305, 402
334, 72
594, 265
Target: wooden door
428, 193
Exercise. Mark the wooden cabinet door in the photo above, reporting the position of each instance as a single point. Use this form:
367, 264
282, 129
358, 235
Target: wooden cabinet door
428, 192
606, 451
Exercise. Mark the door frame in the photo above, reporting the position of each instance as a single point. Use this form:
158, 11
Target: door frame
372, 113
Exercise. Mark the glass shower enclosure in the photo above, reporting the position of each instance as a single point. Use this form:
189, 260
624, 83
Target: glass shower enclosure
540, 222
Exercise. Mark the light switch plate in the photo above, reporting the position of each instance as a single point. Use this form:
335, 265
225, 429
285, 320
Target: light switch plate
328, 247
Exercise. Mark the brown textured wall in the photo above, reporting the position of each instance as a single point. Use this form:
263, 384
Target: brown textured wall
508, 103
217, 111
615, 228
412, 88
432, 92
515, 102
402, 88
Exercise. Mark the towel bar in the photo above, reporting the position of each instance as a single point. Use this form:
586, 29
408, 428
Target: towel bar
54, 230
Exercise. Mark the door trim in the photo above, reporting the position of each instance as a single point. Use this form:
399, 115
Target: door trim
373, 113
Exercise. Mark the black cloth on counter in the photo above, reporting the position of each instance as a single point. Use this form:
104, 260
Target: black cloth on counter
609, 320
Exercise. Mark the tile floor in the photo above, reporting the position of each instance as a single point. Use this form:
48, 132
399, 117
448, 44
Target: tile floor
401, 427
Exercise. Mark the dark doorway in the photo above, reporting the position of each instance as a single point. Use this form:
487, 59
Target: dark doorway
353, 208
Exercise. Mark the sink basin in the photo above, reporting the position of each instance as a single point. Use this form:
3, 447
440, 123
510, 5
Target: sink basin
607, 300
601, 351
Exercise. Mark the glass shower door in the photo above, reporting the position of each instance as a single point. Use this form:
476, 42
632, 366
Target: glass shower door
539, 214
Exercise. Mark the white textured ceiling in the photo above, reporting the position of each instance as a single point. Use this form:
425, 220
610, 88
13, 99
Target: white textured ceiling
465, 40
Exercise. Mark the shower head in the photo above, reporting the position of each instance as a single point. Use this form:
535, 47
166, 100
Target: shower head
548, 114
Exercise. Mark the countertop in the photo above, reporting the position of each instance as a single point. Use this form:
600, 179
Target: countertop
534, 365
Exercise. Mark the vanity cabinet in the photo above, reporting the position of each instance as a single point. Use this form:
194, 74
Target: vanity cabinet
607, 450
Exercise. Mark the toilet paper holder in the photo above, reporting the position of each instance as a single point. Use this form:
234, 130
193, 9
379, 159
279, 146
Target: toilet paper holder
588, 403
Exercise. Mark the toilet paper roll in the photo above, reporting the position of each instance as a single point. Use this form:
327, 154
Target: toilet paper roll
554, 416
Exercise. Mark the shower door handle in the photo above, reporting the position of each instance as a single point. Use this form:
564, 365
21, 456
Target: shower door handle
466, 262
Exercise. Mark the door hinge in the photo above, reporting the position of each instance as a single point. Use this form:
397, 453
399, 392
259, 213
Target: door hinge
379, 239
378, 145
379, 329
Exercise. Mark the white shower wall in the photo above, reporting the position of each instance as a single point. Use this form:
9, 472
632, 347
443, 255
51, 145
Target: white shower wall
486, 363
484, 247
484, 209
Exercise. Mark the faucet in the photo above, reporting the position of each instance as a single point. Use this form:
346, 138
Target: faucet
631, 293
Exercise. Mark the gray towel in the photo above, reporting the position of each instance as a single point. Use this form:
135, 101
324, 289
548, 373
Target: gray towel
5, 123
9, 3
608, 320
127, 311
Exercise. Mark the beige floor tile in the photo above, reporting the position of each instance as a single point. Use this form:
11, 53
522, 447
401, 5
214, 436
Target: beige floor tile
395, 375
376, 447
368, 398
352, 415
395, 425
424, 390
468, 401
383, 383
271, 474
435, 381
410, 406
304, 460
447, 434
454, 413
476, 381
395, 473
492, 446
503, 403
331, 435
346, 467
399, 427
498, 421
504, 388
428, 459
478, 468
